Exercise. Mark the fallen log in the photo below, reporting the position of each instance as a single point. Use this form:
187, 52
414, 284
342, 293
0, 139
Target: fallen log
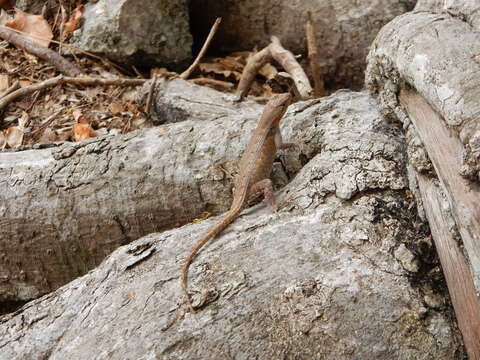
316, 280
66, 207
454, 266
422, 72
465, 208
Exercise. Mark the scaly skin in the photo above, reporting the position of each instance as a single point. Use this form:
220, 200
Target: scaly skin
255, 166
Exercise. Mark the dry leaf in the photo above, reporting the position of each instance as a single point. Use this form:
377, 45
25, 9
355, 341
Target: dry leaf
14, 136
83, 132
115, 108
214, 68
25, 83
73, 20
132, 108
4, 82
77, 113
3, 140
23, 121
48, 136
34, 25
230, 63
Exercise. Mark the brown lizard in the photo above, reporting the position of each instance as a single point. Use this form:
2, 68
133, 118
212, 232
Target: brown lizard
253, 178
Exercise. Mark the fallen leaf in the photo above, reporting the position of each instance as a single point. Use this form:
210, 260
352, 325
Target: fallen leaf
14, 136
83, 131
214, 68
23, 121
3, 140
48, 136
25, 83
4, 82
230, 63
132, 108
34, 25
115, 108
73, 20
77, 113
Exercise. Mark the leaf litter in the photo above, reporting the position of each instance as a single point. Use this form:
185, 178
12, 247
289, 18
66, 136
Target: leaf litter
75, 113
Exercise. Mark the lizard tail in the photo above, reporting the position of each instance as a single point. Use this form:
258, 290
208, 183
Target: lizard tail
214, 231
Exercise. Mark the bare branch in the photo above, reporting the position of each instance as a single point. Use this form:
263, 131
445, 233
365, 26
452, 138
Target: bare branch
186, 74
60, 79
62, 64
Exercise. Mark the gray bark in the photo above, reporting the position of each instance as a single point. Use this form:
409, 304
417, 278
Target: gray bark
344, 29
316, 280
466, 10
423, 67
63, 209
427, 51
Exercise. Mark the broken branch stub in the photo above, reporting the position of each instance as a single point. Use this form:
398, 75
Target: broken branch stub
318, 84
285, 58
291, 65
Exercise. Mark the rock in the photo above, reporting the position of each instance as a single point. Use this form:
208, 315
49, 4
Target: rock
142, 32
34, 6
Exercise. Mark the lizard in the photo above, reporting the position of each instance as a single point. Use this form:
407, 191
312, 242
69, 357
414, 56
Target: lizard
253, 178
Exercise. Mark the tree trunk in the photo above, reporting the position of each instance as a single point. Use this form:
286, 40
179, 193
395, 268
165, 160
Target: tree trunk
347, 270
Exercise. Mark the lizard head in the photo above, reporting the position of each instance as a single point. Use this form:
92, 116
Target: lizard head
279, 105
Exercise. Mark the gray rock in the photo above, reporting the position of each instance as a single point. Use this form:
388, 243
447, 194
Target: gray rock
152, 32
34, 6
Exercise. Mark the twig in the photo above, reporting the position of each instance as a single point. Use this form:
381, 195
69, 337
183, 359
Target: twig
60, 79
148, 104
225, 85
71, 47
43, 126
15, 86
62, 64
186, 74
137, 72
318, 87
62, 26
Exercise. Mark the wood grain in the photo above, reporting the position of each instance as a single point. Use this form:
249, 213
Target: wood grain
444, 150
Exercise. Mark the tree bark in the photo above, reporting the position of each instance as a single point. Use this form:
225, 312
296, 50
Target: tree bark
64, 208
316, 280
465, 10
423, 68
439, 66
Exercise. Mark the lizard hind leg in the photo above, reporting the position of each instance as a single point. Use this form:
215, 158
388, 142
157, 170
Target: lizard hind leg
264, 187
